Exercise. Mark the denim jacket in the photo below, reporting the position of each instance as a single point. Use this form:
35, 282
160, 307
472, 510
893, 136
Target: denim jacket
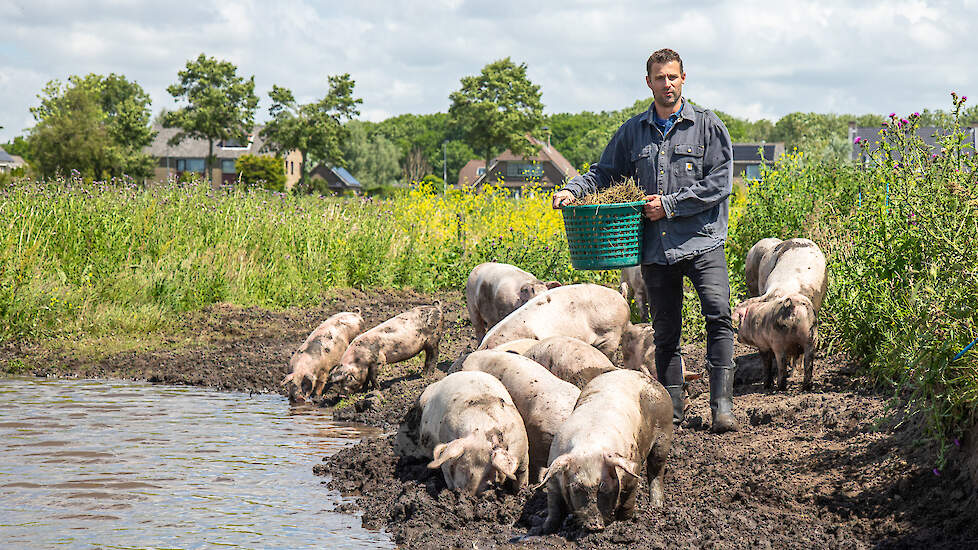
691, 167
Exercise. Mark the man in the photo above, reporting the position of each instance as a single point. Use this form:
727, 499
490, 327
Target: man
681, 155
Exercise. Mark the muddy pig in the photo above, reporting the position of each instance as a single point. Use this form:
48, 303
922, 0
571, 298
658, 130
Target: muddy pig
634, 287
752, 264
638, 351
622, 419
570, 359
396, 339
543, 400
794, 266
518, 347
321, 351
467, 425
494, 290
592, 313
784, 330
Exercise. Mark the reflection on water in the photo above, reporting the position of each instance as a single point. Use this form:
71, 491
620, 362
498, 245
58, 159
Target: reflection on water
118, 464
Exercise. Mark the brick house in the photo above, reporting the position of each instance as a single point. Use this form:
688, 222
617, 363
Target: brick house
547, 169
190, 156
747, 158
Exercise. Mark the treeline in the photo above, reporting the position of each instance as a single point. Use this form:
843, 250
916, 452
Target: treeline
97, 126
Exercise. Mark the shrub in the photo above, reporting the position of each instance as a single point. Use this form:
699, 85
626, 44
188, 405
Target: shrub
261, 171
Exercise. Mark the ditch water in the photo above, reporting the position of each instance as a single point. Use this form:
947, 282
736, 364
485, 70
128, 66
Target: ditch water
117, 464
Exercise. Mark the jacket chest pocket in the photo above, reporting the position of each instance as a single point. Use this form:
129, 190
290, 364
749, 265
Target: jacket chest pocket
642, 166
687, 163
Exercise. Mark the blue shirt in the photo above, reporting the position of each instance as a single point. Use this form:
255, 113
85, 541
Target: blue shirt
665, 124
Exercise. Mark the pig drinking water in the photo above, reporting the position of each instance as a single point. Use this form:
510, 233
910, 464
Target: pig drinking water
594, 314
397, 339
321, 351
543, 400
467, 425
622, 419
494, 290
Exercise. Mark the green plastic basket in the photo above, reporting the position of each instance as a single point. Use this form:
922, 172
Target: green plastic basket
604, 236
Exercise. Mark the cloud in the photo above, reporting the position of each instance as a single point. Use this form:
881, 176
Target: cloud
752, 58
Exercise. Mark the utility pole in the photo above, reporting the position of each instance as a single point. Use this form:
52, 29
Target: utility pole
444, 167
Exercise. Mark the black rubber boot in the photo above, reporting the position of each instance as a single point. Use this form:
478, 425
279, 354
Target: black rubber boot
721, 400
678, 404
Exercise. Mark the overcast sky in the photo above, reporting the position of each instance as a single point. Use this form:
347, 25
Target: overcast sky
753, 59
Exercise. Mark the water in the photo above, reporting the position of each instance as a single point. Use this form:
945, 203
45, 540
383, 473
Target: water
116, 464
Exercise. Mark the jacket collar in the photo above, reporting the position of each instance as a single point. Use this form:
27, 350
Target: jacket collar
685, 113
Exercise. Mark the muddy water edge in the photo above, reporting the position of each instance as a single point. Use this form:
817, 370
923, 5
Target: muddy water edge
835, 467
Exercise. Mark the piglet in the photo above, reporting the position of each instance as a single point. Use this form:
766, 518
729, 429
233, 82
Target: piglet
321, 351
784, 329
397, 339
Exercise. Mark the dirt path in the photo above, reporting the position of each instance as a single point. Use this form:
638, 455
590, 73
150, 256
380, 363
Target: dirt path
822, 469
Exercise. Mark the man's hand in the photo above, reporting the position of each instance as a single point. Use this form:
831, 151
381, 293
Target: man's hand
561, 198
653, 208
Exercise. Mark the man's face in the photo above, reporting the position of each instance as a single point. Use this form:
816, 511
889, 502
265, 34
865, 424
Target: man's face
666, 82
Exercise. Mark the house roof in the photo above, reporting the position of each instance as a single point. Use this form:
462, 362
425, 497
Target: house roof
470, 172
347, 177
871, 135
546, 153
197, 148
6, 157
748, 152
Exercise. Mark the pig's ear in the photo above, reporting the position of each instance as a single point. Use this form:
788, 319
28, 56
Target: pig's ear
445, 452
559, 463
552, 284
505, 462
620, 462
623, 288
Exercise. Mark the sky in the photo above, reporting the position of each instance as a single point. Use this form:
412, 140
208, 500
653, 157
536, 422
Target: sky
750, 58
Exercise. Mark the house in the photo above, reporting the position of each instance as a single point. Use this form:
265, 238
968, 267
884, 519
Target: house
870, 135
190, 156
547, 169
8, 162
338, 179
747, 158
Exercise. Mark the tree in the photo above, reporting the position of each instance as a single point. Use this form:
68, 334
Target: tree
497, 108
263, 171
314, 129
372, 159
220, 105
97, 125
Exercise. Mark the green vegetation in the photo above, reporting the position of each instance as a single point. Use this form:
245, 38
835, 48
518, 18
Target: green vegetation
261, 171
497, 108
94, 125
314, 129
220, 105
899, 235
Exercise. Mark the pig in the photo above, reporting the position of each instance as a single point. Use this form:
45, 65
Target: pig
795, 266
543, 400
467, 425
569, 359
320, 352
638, 351
752, 264
622, 418
634, 287
396, 339
784, 329
518, 346
494, 290
592, 313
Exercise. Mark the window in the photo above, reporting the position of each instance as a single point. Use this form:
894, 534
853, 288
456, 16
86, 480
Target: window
524, 170
291, 167
227, 166
480, 170
752, 172
190, 165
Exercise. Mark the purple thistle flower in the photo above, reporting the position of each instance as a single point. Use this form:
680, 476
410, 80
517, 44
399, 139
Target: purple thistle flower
857, 140
916, 115
964, 98
957, 442
892, 115
904, 121
936, 472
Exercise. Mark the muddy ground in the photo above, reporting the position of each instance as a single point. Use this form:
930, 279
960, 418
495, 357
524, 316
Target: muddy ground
831, 468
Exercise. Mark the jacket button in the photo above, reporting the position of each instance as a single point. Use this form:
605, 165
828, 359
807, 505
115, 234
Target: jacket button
663, 233
689, 150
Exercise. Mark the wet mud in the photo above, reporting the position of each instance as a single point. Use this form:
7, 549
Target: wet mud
835, 467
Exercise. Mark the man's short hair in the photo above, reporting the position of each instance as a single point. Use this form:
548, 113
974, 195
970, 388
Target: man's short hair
665, 55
